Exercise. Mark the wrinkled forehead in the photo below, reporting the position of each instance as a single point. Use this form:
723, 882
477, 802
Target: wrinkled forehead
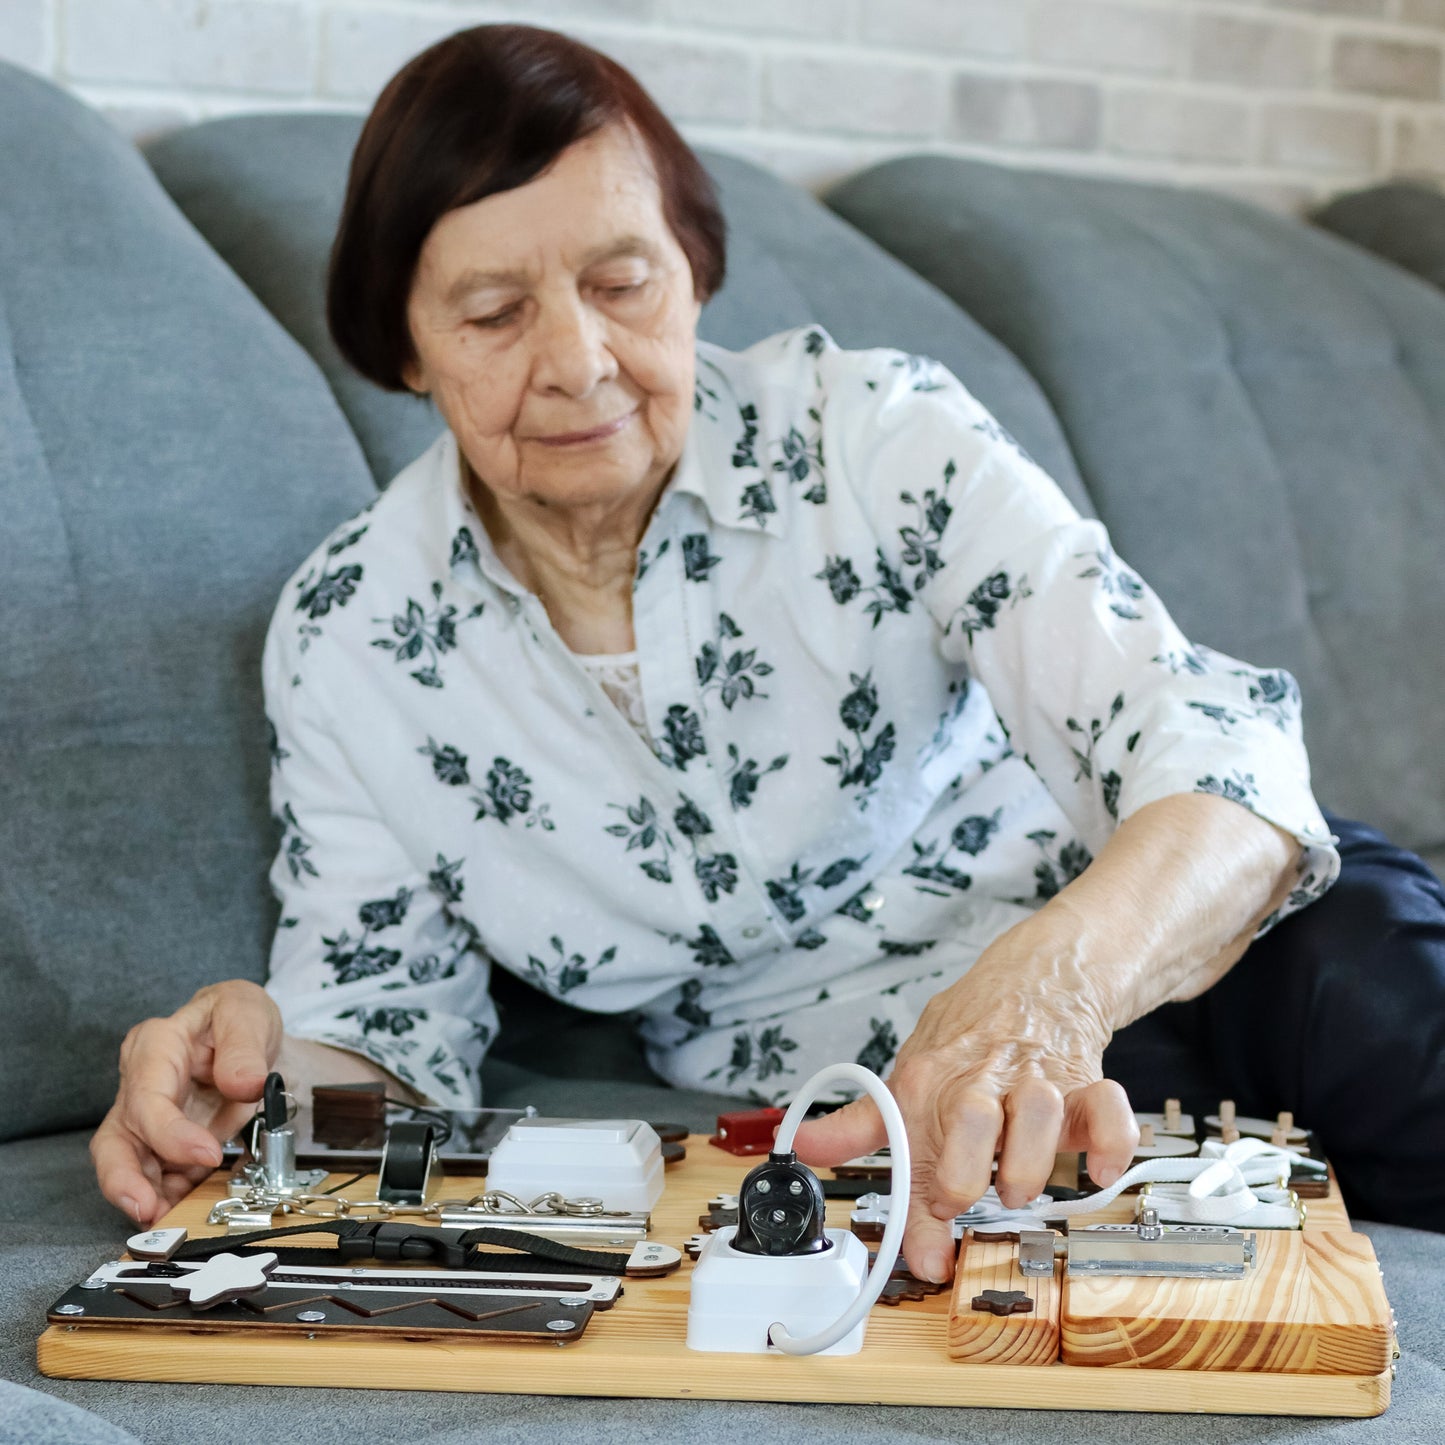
598, 201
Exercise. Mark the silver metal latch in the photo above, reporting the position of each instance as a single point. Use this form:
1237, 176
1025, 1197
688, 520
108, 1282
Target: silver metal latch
1145, 1248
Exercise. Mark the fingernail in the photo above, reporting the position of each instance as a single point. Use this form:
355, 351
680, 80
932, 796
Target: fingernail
935, 1268
1107, 1175
131, 1208
202, 1155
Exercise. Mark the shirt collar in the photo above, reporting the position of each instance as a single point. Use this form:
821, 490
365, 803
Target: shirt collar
719, 466
721, 459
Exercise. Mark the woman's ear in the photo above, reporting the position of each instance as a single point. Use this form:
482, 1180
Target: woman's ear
414, 378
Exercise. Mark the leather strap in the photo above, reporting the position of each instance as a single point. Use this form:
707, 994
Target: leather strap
393, 1241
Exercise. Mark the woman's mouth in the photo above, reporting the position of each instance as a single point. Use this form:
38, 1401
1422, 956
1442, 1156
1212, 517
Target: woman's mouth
592, 434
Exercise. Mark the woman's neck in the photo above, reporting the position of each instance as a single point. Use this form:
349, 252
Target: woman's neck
579, 561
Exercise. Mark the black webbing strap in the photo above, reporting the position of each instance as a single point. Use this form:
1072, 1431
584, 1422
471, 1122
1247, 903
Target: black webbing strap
393, 1241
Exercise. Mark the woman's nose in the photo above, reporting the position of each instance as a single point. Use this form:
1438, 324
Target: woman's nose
572, 355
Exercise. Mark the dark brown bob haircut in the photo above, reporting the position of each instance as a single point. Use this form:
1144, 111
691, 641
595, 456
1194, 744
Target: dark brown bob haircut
484, 111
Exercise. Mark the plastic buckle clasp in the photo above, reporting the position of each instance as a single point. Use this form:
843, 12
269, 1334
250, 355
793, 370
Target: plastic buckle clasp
388, 1240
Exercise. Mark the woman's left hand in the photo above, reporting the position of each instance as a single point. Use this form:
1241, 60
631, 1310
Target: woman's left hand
1005, 1063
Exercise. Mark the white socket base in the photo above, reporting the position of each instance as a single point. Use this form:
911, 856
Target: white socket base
736, 1297
618, 1161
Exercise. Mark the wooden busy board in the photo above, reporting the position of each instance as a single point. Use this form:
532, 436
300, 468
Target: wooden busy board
1309, 1333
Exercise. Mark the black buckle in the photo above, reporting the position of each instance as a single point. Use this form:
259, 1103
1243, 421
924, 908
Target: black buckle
388, 1240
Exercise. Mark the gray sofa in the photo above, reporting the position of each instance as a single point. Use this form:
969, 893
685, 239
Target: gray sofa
1256, 409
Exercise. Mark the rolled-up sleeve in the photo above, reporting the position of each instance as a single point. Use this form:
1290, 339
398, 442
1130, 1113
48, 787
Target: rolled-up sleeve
1099, 690
367, 955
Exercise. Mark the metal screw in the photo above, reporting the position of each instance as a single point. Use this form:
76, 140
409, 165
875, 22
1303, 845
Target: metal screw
572, 1301
346, 1284
92, 1284
617, 1241
71, 1310
311, 1317
796, 1187
358, 1270
561, 1326
764, 1187
779, 1215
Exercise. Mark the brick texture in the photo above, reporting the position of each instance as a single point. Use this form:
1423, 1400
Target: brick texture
1388, 67
1023, 111
25, 32
1255, 53
1318, 137
243, 45
1284, 102
1166, 124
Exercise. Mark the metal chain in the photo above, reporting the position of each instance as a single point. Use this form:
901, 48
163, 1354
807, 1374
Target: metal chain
490, 1205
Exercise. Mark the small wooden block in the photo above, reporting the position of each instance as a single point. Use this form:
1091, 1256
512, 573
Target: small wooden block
1012, 1339
1313, 1305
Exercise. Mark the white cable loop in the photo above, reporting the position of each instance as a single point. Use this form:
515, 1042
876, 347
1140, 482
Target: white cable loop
892, 1241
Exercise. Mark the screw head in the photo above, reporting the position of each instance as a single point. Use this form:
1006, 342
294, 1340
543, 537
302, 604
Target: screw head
562, 1326
92, 1284
572, 1301
764, 1186
796, 1187
71, 1310
311, 1317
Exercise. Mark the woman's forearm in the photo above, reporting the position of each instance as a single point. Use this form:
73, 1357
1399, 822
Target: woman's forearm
1171, 902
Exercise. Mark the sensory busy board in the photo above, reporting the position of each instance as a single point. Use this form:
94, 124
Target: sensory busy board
1308, 1332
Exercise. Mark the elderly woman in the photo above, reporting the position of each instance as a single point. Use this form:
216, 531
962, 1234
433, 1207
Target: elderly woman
775, 698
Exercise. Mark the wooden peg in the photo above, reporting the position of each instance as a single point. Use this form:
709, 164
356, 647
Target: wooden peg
1171, 1115
1146, 1136
1226, 1115
1285, 1121
1228, 1134
1280, 1137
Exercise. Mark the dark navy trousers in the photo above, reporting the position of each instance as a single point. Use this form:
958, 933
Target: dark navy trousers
1338, 1015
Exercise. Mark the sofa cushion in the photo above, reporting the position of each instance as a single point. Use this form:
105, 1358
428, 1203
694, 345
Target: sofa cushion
1258, 412
167, 457
1403, 221
266, 190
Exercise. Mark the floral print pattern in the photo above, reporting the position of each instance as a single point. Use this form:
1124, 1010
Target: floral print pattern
897, 694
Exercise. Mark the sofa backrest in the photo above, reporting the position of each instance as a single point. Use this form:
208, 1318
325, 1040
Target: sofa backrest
1258, 412
265, 191
167, 456
1403, 221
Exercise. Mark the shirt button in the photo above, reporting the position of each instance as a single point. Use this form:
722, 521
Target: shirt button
872, 900
752, 931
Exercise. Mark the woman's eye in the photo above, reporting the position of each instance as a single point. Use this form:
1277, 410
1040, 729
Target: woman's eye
623, 288
496, 319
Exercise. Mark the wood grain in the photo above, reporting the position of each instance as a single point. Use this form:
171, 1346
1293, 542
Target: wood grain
1313, 1305
976, 1338
638, 1349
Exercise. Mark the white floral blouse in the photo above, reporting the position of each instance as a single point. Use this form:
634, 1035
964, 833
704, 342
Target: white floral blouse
893, 693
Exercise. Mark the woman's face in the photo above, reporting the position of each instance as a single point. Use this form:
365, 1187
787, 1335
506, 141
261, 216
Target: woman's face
554, 327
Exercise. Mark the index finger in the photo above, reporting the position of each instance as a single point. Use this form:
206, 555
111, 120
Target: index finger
247, 1037
855, 1129
155, 1081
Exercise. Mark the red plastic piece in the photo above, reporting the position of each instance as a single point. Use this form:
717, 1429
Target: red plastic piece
750, 1131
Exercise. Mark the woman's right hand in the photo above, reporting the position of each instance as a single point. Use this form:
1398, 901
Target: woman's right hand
187, 1083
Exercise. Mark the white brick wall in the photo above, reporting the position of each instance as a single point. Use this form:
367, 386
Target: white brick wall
1285, 101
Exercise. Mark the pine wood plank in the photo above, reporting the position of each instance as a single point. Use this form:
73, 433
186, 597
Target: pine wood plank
1313, 1305
976, 1338
638, 1349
